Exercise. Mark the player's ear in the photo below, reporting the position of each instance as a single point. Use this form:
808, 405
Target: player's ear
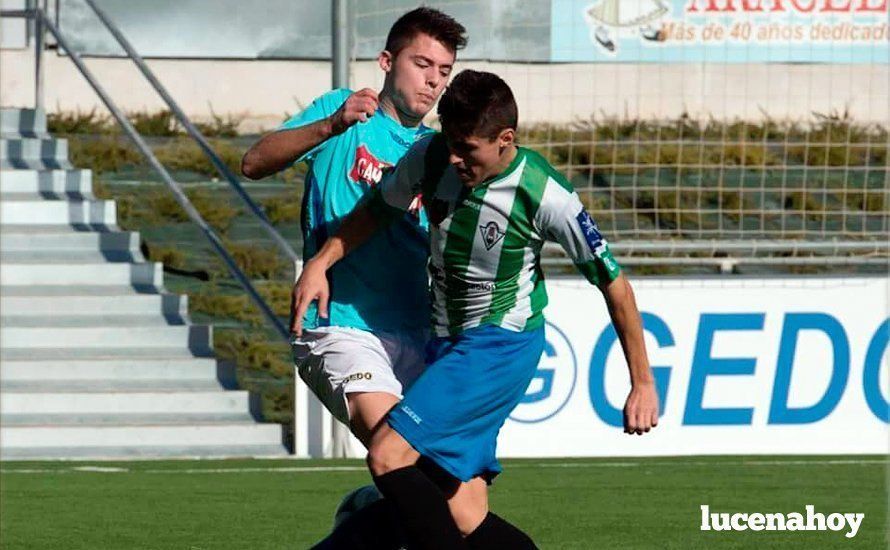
507, 137
385, 60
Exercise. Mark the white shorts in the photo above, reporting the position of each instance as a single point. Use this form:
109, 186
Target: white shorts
336, 361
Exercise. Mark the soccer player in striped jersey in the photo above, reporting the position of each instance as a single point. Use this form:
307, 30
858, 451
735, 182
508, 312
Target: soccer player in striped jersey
491, 205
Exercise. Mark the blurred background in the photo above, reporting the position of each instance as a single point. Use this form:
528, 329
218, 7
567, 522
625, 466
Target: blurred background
734, 153
707, 137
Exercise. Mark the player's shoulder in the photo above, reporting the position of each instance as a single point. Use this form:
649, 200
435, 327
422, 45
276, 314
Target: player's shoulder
320, 107
329, 102
538, 173
335, 97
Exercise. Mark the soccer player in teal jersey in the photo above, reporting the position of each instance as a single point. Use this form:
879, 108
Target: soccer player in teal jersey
491, 205
362, 349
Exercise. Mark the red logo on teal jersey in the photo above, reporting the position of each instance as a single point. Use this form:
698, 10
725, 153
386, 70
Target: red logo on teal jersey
367, 168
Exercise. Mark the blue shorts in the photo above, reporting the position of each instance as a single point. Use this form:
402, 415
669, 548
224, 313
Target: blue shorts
454, 411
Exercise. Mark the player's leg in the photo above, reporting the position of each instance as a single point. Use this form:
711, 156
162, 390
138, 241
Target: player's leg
417, 493
367, 411
378, 526
467, 502
404, 352
420, 503
359, 376
481, 528
351, 373
452, 416
469, 505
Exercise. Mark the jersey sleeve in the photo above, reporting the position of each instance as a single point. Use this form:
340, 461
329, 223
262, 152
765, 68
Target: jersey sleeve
562, 218
399, 189
321, 108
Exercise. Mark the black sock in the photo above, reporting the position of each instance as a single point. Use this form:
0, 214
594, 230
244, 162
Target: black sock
374, 527
496, 532
446, 482
422, 509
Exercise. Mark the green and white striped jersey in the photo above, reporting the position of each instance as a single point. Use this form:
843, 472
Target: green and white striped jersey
485, 241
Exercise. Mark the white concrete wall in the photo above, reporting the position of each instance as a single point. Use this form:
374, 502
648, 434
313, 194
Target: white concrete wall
13, 31
263, 91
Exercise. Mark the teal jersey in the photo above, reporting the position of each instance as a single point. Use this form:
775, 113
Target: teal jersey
383, 284
485, 241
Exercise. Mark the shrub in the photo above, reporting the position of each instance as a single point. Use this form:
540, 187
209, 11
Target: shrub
255, 262
160, 123
252, 351
103, 154
283, 207
238, 307
215, 211
78, 122
277, 295
167, 255
186, 154
220, 126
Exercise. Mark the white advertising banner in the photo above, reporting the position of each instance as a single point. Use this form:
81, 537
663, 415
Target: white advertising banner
743, 366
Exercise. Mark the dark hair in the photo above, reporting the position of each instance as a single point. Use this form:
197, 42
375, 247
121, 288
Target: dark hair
477, 104
429, 21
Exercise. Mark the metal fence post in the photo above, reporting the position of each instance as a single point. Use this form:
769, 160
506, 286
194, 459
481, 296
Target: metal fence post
340, 43
338, 447
38, 57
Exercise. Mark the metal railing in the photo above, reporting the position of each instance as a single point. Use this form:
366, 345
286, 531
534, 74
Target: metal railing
727, 255
311, 428
196, 134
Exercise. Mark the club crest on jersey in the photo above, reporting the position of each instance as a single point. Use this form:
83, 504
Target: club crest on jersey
491, 234
367, 168
591, 231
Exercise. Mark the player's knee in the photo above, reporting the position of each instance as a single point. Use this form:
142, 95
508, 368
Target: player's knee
469, 516
386, 454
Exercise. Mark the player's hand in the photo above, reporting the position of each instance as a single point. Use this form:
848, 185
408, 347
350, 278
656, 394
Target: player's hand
312, 285
358, 107
641, 409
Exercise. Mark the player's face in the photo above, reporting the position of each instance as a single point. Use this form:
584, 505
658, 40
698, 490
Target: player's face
477, 159
418, 74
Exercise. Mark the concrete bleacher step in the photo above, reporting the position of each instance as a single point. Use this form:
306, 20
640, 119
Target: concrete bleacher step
148, 402
82, 256
123, 385
84, 306
59, 238
110, 370
47, 183
23, 210
23, 123
97, 320
97, 360
118, 419
192, 450
194, 337
50, 353
140, 440
34, 153
47, 273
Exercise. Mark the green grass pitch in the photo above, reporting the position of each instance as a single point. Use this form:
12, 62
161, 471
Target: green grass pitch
562, 503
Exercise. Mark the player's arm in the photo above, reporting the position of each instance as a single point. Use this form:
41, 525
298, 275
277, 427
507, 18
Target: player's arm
562, 218
278, 150
641, 407
385, 203
312, 285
